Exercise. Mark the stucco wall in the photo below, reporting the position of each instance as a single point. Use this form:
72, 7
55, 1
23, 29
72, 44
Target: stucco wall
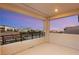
69, 40
0, 50
21, 46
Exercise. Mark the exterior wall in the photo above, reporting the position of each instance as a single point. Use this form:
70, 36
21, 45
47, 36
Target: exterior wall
0, 50
72, 30
21, 46
69, 40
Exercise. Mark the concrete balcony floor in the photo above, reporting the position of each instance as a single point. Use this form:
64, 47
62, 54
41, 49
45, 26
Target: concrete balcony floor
49, 49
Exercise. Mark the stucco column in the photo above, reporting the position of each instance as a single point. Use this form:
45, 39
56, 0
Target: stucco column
47, 28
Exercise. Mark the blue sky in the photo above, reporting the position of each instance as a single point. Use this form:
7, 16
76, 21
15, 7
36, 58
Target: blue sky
18, 20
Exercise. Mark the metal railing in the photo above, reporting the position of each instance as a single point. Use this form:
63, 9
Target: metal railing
7, 39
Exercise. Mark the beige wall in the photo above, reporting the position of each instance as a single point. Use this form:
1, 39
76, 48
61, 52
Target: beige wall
21, 46
69, 40
0, 50
46, 28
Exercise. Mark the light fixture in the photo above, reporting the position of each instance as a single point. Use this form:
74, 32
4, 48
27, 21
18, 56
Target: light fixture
56, 10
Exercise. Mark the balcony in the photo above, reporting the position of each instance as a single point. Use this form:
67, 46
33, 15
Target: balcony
44, 41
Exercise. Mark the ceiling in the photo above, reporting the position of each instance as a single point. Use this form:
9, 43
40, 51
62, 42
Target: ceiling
47, 9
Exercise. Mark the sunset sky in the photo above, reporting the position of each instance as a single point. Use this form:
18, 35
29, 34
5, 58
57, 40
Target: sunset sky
17, 20
60, 24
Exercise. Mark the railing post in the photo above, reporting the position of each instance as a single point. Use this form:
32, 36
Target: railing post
3, 40
32, 34
21, 36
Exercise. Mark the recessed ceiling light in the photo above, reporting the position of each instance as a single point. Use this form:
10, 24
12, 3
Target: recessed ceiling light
56, 10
